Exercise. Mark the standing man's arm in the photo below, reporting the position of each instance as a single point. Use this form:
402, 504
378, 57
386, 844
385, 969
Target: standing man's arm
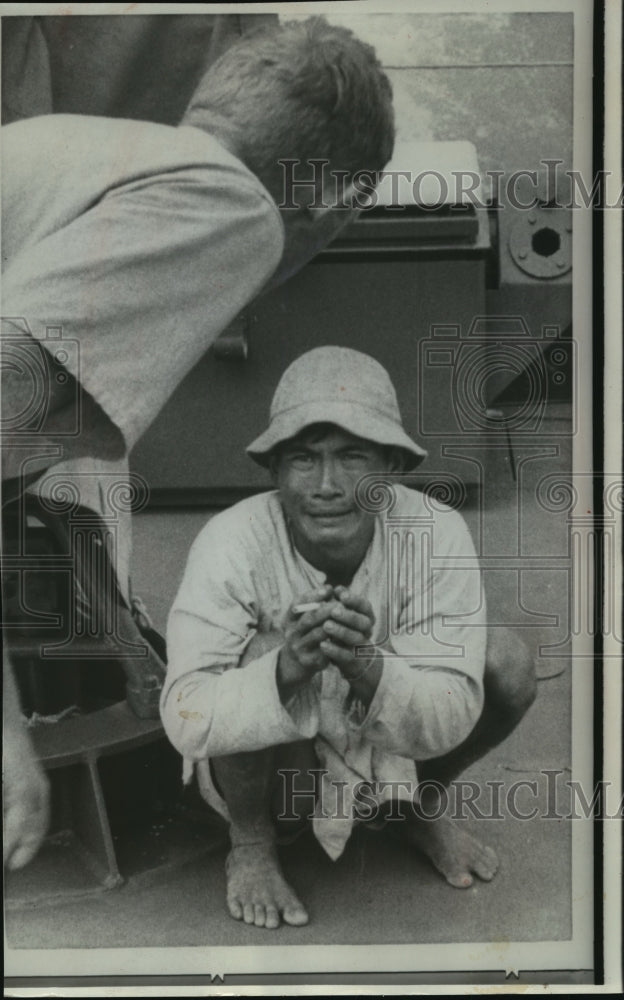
25, 786
139, 283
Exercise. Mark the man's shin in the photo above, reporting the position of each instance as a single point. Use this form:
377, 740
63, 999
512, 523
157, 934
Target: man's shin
245, 782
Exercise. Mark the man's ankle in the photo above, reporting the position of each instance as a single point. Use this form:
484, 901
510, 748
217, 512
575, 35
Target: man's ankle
254, 834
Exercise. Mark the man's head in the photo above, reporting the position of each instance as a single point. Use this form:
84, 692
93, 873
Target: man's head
301, 91
334, 419
317, 473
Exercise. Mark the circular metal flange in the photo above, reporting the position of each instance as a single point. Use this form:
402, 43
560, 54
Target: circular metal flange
540, 242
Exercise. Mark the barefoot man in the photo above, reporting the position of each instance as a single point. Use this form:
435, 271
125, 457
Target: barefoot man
323, 666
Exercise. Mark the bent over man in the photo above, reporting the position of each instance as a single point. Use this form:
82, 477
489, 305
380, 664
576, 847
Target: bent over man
129, 246
310, 643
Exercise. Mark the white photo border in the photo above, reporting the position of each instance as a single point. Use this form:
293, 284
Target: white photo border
474, 958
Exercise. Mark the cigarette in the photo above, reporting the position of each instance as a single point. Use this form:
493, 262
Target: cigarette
300, 609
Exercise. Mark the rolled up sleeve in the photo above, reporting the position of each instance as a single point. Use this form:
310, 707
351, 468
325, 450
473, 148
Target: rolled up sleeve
430, 694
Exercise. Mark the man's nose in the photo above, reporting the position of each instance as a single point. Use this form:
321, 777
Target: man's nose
328, 482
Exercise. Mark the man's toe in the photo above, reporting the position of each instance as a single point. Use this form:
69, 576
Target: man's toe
459, 879
249, 915
486, 864
235, 908
272, 917
259, 915
295, 915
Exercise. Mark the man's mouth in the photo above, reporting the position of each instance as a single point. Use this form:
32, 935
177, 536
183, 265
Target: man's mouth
329, 515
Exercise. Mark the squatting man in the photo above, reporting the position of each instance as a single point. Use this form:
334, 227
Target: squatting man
260, 689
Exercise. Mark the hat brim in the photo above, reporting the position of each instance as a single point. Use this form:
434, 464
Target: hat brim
349, 416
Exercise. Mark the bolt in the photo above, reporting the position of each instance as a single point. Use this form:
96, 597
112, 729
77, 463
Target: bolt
532, 220
561, 263
569, 227
522, 254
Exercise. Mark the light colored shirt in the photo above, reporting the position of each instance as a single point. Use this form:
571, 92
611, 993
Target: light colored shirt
137, 243
421, 576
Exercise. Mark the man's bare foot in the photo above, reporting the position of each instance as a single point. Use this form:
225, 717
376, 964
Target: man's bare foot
257, 892
456, 854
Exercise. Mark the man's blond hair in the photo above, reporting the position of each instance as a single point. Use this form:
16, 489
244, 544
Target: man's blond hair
304, 90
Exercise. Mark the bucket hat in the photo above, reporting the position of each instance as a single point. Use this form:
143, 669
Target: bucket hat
340, 386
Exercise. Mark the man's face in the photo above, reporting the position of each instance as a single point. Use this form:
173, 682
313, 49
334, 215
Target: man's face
308, 230
316, 474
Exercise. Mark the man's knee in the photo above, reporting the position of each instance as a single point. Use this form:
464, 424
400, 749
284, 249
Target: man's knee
240, 774
510, 679
285, 778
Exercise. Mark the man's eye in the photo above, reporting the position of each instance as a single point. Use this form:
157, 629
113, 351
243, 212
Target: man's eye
301, 461
355, 456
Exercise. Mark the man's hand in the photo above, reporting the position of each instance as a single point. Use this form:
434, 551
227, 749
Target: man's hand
301, 656
26, 803
349, 625
25, 785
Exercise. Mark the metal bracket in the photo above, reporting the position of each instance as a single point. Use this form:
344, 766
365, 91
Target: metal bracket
540, 242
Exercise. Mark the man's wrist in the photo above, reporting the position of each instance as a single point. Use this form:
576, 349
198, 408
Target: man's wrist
288, 679
363, 667
364, 680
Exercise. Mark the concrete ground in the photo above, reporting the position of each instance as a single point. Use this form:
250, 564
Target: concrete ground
379, 891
